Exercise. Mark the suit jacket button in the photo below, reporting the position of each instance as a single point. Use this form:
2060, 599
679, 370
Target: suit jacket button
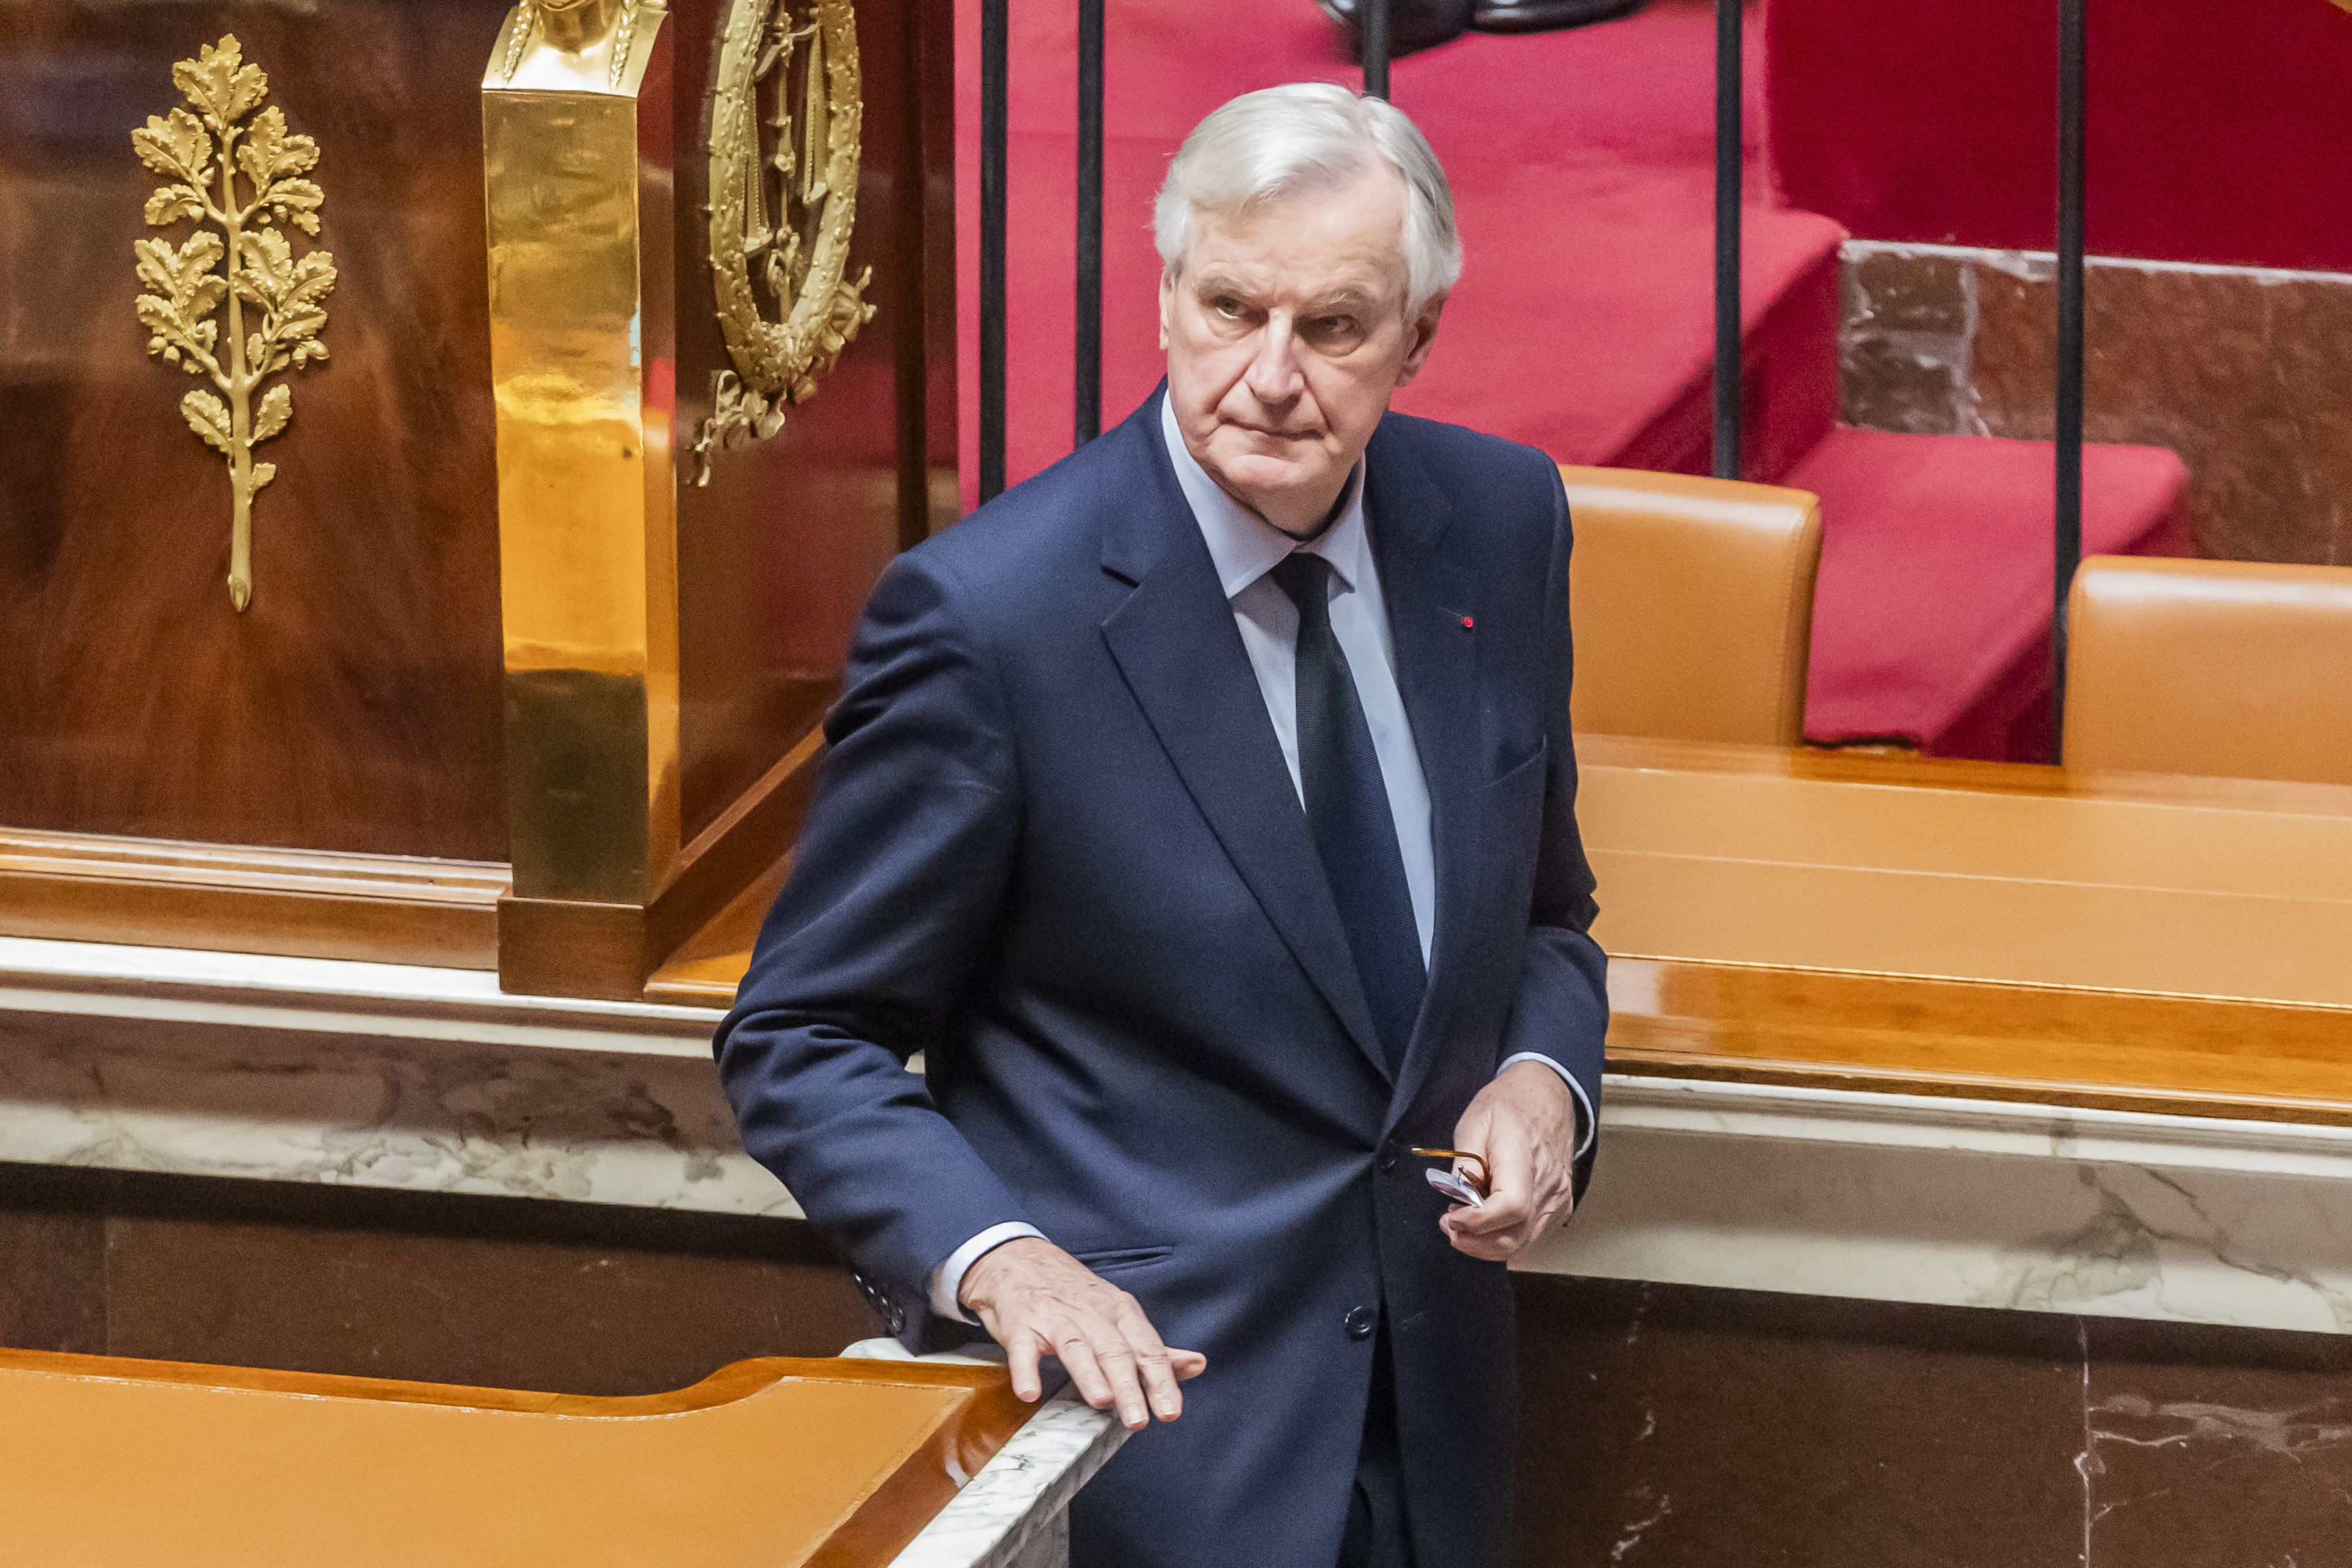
1389, 1155
1362, 1321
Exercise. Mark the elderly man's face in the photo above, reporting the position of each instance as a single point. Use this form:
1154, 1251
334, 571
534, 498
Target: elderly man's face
1287, 332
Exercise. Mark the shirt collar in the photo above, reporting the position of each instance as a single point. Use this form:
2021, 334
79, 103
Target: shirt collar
1243, 546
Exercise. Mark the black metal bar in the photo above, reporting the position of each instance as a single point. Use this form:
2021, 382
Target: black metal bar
911, 344
2067, 551
1375, 15
1728, 158
1088, 369
992, 249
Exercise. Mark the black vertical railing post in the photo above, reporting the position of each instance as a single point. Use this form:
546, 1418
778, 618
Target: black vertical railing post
1374, 15
1728, 129
992, 249
2068, 541
1088, 353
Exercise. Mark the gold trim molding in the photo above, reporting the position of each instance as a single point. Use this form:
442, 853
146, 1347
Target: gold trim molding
784, 202
242, 260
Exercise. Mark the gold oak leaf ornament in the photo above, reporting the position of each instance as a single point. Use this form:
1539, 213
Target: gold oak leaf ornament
238, 262
784, 202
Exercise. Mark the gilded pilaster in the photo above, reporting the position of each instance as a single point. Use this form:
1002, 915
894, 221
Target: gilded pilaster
581, 360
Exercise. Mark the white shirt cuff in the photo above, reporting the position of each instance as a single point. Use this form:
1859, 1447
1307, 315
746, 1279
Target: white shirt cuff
947, 1282
1589, 1123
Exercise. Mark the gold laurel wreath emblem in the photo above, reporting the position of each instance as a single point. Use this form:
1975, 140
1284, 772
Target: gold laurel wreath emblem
240, 258
794, 252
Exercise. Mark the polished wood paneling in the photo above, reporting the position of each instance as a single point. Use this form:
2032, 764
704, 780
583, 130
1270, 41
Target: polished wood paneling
355, 706
557, 947
391, 909
756, 830
709, 964
118, 1460
777, 552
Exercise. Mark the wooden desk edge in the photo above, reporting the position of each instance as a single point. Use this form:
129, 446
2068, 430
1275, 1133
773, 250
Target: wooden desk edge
874, 1531
737, 1380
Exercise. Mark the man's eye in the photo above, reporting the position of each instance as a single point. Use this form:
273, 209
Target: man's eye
1225, 305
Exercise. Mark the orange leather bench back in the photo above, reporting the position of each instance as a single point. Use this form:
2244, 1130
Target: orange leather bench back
2231, 668
1692, 603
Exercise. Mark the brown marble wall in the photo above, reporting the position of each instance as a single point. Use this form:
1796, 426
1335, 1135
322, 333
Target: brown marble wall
1665, 1426
2240, 369
1677, 1427
500, 1292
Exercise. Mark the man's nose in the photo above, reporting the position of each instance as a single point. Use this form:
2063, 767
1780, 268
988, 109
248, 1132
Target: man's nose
1274, 374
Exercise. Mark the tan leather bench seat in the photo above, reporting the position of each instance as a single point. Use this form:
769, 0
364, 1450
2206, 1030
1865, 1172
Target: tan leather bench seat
1692, 601
2231, 668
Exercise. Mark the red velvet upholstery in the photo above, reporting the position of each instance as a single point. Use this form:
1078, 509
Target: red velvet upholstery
1931, 615
2217, 127
1581, 164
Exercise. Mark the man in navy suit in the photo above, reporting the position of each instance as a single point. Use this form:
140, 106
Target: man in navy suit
1203, 811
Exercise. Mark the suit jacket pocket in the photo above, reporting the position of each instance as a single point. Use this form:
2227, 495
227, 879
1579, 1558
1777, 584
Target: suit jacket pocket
1121, 1257
1528, 764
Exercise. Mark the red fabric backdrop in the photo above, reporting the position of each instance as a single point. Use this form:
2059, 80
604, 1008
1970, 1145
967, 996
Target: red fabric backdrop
2219, 131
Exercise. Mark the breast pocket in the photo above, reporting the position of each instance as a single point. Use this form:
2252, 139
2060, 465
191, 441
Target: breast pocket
1521, 765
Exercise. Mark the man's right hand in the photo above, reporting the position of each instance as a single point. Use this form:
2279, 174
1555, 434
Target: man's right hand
1038, 1300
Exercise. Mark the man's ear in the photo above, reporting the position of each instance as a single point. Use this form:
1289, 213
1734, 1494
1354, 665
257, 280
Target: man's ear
1424, 333
1167, 304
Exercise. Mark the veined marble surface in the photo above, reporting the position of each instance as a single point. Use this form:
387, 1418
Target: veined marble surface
329, 996
1968, 1203
384, 1075
432, 1080
1015, 1512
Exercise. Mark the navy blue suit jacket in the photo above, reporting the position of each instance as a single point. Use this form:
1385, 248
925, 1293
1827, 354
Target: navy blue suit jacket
1054, 847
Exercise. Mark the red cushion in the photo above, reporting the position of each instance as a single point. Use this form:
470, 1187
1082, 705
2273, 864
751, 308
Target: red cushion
1581, 164
1931, 615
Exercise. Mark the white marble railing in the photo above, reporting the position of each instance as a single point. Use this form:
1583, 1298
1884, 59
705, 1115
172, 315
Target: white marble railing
432, 1080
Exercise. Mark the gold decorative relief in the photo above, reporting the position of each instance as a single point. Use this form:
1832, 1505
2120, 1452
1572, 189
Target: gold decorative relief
784, 127
238, 263
573, 26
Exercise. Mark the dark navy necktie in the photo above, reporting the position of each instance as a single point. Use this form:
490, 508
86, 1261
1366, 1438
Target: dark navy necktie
1347, 812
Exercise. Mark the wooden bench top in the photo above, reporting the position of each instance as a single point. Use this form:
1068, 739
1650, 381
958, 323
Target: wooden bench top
772, 1463
1986, 929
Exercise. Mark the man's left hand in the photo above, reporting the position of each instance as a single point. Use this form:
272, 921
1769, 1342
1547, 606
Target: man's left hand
1523, 1124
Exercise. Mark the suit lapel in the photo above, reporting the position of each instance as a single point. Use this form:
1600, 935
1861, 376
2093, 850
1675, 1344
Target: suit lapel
1174, 640
1428, 597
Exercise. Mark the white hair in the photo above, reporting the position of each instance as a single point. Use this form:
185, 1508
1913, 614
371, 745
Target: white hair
1310, 136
